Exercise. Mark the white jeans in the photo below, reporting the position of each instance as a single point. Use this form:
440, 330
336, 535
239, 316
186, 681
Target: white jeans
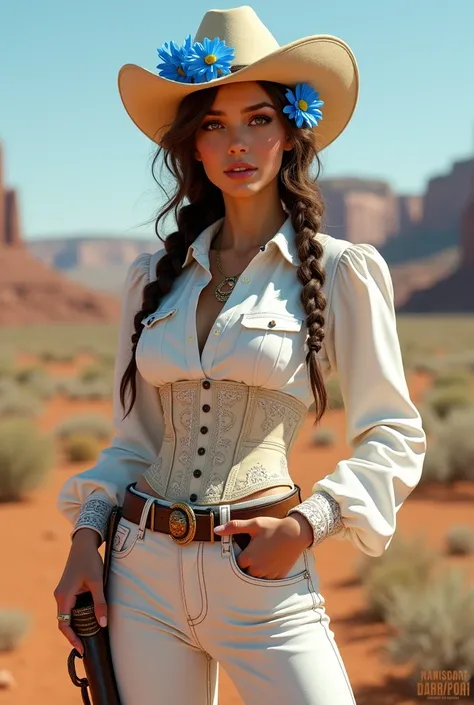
175, 612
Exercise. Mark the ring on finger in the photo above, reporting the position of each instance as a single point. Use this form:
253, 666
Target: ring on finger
63, 617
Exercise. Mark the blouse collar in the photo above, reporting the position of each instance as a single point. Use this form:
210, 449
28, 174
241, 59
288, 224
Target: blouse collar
284, 240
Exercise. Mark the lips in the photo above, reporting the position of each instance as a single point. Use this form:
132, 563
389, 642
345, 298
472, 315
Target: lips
240, 167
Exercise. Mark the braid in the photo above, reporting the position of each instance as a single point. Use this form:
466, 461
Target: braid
192, 219
305, 205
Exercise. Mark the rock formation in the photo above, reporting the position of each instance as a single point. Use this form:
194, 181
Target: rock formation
455, 293
30, 291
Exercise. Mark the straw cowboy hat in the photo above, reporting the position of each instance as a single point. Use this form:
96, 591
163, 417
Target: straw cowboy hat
323, 62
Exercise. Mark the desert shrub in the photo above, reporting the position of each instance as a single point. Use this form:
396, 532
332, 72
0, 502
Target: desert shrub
37, 381
13, 627
26, 457
95, 389
335, 400
19, 402
97, 427
437, 464
452, 378
434, 630
457, 436
405, 565
447, 399
94, 372
460, 540
324, 437
55, 355
79, 447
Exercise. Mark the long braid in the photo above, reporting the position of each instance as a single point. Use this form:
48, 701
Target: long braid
191, 220
306, 209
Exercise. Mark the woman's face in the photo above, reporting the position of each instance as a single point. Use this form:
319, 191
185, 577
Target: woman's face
241, 140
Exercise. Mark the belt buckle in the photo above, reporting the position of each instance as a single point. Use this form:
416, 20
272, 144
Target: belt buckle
182, 523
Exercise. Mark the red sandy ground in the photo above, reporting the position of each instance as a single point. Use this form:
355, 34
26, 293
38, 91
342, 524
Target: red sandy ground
37, 540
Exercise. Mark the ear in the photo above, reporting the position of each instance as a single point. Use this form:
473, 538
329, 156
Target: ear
197, 155
287, 147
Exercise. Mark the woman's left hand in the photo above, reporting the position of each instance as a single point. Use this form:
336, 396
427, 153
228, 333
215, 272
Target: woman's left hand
275, 547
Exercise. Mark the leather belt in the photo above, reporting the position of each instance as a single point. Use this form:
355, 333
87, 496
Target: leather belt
184, 523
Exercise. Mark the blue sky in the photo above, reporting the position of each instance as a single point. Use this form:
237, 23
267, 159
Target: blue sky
81, 166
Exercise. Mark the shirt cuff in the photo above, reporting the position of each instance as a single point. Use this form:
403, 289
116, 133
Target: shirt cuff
94, 515
323, 513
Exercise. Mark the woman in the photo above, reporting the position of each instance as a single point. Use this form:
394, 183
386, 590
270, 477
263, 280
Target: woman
226, 339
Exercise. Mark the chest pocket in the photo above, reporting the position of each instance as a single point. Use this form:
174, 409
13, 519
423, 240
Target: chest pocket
158, 316
155, 339
270, 347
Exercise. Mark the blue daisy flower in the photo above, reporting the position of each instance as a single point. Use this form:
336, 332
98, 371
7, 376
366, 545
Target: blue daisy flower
304, 105
174, 61
208, 60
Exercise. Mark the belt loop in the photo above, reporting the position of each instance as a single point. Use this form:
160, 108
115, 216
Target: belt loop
144, 517
224, 517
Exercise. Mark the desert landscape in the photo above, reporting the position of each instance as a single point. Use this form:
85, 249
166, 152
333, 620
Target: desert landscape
55, 409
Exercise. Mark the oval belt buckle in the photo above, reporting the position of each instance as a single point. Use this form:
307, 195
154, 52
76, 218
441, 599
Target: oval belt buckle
182, 523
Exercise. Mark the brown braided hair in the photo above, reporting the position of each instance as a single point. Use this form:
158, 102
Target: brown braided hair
299, 192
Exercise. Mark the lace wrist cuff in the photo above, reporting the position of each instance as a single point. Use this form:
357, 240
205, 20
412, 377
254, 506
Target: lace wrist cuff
94, 514
323, 513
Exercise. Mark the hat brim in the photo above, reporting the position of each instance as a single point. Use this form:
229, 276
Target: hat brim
323, 61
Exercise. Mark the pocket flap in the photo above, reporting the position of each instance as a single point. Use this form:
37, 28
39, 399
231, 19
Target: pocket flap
272, 321
153, 318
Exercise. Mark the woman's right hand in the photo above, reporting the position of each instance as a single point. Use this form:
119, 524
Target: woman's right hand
83, 572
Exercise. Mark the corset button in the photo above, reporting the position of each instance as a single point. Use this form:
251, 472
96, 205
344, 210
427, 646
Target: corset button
206, 384
204, 429
206, 408
197, 473
201, 451
193, 497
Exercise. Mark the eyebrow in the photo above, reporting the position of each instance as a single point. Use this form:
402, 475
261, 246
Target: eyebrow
249, 109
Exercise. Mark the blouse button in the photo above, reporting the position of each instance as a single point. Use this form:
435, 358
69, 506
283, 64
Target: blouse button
206, 408
206, 384
193, 497
245, 280
201, 451
204, 429
197, 473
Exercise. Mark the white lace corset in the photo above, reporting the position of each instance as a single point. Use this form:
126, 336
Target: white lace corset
223, 440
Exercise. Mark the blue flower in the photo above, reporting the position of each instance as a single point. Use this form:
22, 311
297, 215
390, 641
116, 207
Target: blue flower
209, 60
304, 105
174, 61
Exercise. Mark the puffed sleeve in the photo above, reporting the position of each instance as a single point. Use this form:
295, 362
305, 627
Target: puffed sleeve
87, 498
360, 499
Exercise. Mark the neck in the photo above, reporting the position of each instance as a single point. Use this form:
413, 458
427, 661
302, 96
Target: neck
251, 222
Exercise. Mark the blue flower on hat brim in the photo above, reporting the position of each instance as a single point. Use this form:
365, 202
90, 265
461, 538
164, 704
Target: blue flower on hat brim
304, 106
173, 60
324, 62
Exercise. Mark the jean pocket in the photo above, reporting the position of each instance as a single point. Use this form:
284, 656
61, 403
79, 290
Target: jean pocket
297, 573
124, 539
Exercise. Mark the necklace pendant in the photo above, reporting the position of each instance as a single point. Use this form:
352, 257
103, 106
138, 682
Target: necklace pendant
222, 294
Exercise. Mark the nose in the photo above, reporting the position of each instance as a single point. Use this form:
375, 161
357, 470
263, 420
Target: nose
237, 145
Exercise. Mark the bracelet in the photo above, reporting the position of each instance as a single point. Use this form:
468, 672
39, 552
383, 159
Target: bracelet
323, 513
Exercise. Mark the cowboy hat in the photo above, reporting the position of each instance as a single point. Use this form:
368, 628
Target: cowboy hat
323, 62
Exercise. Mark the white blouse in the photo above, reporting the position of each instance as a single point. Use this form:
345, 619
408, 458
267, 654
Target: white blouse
259, 339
